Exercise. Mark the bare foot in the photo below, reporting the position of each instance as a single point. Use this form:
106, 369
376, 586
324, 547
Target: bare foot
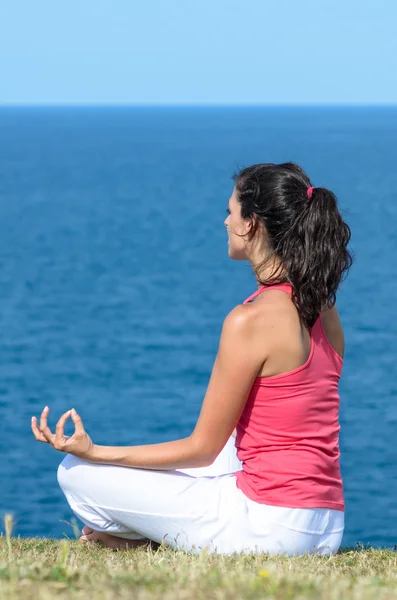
91, 536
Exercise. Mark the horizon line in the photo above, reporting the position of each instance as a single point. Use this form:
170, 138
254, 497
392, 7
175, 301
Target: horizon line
196, 105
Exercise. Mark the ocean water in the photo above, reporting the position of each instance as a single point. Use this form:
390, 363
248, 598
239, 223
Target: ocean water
115, 280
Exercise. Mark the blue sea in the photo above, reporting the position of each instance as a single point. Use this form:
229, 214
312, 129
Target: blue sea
115, 280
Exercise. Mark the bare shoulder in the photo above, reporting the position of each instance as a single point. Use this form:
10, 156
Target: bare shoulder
262, 320
265, 308
269, 331
333, 329
238, 342
274, 307
240, 320
331, 316
279, 310
276, 333
245, 327
278, 318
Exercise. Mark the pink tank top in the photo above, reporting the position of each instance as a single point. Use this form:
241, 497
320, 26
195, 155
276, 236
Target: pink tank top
288, 435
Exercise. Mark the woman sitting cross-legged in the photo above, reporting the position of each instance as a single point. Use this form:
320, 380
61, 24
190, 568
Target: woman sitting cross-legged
277, 487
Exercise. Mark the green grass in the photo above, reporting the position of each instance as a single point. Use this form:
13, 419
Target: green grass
45, 569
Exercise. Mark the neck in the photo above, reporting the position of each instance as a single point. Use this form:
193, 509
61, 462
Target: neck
264, 263
271, 269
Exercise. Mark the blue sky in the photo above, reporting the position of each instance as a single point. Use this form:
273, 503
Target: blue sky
198, 52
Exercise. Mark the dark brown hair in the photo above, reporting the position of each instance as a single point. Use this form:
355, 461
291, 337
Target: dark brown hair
307, 235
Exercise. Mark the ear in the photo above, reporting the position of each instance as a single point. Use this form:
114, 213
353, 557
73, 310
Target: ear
252, 224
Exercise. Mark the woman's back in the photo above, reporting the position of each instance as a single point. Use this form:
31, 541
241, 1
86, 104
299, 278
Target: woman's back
284, 341
287, 436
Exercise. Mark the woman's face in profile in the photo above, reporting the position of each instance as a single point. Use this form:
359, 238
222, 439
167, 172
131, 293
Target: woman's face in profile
236, 227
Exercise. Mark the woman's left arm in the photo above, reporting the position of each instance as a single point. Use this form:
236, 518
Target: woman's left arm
235, 368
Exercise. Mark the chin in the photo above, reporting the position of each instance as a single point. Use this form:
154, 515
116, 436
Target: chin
236, 254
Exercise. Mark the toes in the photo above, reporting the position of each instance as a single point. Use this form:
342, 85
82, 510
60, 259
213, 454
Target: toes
92, 537
86, 530
87, 534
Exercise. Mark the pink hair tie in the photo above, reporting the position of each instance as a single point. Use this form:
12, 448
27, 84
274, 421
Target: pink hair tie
309, 192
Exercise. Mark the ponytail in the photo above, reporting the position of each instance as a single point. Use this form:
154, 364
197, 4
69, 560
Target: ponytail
314, 253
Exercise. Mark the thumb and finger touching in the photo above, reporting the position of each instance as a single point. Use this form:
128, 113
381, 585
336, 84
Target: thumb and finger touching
58, 440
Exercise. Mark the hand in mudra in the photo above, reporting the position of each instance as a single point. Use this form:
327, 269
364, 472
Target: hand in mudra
79, 444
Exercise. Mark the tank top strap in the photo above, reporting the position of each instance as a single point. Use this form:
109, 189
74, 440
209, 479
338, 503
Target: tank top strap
282, 287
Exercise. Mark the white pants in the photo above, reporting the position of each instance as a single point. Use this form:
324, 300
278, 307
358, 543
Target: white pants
192, 509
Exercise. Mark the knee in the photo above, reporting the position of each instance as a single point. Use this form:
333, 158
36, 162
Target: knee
65, 470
